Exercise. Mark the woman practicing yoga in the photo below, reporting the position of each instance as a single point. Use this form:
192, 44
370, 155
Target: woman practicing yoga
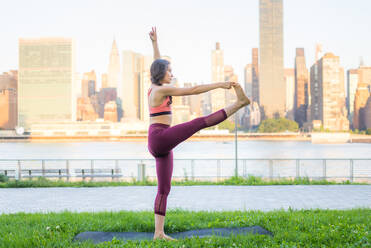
162, 138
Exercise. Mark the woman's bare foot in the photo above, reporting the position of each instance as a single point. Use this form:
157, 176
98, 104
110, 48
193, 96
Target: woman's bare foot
162, 236
242, 99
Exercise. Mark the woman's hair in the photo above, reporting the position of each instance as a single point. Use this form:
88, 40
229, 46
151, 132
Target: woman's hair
158, 70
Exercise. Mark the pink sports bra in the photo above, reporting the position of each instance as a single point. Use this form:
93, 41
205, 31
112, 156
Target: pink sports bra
163, 109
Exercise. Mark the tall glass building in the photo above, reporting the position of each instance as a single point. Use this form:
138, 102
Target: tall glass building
272, 90
45, 85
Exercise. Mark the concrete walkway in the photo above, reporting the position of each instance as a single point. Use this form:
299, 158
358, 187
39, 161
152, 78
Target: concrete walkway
211, 198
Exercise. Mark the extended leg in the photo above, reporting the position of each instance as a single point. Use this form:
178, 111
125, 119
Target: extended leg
174, 135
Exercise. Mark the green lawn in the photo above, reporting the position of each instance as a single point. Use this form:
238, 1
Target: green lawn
305, 228
251, 180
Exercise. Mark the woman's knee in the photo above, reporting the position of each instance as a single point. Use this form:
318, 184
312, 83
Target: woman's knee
164, 189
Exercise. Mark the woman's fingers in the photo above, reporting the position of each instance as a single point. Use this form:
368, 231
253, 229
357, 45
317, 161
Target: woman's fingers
153, 34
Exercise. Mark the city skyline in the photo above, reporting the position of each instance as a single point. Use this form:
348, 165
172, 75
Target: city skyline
94, 36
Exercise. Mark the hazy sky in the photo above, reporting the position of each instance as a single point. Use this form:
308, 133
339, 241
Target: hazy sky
187, 30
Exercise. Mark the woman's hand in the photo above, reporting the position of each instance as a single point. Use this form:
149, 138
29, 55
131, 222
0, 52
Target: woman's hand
153, 34
227, 85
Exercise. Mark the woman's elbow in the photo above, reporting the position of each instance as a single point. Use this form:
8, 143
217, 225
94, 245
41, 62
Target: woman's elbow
194, 91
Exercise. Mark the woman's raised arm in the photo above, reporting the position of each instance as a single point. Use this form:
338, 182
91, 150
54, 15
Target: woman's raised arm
153, 36
195, 90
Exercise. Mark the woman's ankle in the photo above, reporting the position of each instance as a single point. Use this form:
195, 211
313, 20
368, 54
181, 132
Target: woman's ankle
159, 233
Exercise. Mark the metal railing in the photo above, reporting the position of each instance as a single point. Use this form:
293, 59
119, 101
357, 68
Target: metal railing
195, 169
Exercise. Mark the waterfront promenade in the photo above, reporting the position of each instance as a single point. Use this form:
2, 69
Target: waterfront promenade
197, 198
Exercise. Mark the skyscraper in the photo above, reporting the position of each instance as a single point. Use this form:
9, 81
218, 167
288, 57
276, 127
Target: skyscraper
364, 74
217, 75
88, 82
331, 98
9, 80
114, 74
130, 84
255, 75
46, 76
289, 75
136, 82
367, 113
272, 90
301, 88
145, 83
230, 96
362, 79
8, 100
248, 80
104, 80
361, 97
352, 82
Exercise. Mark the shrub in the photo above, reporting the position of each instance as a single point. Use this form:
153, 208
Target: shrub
278, 125
227, 124
3, 178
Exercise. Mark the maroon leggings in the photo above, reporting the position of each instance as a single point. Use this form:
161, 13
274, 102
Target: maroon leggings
162, 139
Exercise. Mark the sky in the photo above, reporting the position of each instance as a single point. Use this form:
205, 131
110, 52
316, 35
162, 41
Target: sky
187, 31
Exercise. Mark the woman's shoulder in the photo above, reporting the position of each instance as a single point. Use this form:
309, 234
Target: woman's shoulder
158, 89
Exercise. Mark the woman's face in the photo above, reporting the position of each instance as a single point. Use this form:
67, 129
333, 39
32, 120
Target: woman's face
168, 76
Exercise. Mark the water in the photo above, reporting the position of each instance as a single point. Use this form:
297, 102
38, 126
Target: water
188, 149
201, 169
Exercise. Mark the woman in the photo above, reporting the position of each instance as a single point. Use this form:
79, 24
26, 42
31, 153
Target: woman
162, 138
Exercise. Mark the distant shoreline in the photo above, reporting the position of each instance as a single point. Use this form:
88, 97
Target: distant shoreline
356, 138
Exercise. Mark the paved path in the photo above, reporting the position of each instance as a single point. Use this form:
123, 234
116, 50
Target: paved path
212, 198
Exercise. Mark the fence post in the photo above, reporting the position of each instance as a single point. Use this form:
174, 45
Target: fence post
244, 168
193, 169
18, 172
351, 172
43, 167
91, 170
68, 170
218, 170
116, 169
141, 171
270, 169
324, 169
297, 168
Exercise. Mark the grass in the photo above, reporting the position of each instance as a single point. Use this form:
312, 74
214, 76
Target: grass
250, 180
303, 228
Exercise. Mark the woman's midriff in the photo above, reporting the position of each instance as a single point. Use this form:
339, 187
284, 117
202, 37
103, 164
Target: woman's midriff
164, 119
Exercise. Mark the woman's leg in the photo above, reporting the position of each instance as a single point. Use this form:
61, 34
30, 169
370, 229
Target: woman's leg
164, 170
174, 135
